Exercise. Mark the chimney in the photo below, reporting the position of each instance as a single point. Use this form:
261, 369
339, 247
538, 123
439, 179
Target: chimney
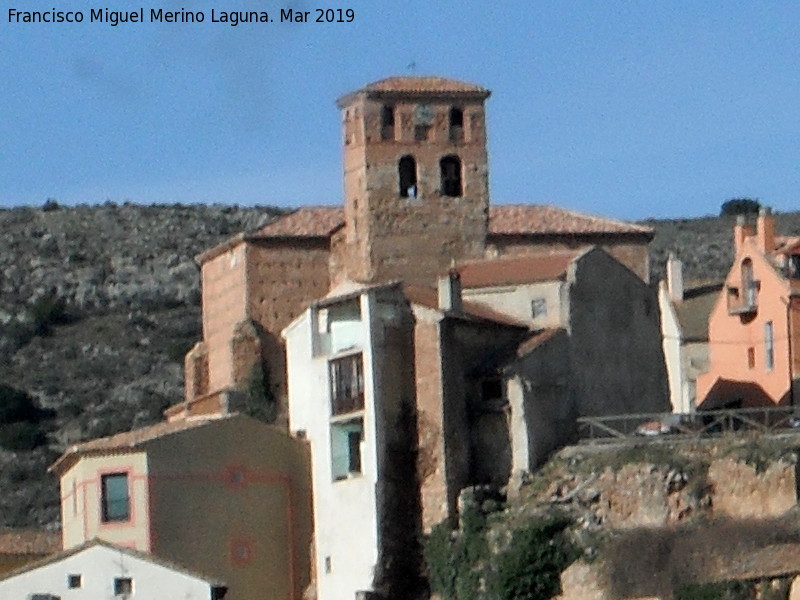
741, 231
765, 228
674, 278
450, 291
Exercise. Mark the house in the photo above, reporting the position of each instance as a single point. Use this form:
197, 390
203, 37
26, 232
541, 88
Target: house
594, 348
226, 496
19, 547
479, 383
97, 570
754, 329
416, 199
384, 382
685, 311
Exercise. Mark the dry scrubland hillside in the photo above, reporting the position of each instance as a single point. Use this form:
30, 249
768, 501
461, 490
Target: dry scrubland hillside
98, 305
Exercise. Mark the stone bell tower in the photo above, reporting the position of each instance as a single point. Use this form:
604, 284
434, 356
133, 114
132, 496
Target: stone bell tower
415, 178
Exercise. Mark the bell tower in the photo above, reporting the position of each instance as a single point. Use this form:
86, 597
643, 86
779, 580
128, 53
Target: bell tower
415, 178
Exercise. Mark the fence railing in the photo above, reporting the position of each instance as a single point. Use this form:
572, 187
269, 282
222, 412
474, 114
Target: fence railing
615, 428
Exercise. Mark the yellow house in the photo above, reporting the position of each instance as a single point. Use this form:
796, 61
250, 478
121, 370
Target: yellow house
228, 496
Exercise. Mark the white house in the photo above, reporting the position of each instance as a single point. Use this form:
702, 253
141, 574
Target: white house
98, 570
685, 311
350, 372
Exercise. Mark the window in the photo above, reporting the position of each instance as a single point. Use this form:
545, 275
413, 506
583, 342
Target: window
769, 346
422, 133
491, 389
456, 125
450, 171
74, 581
407, 175
751, 358
347, 384
748, 284
346, 440
793, 266
115, 500
387, 122
538, 307
123, 586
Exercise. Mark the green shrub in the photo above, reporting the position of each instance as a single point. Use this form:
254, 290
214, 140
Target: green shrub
260, 402
50, 204
455, 559
16, 405
739, 206
530, 566
48, 311
23, 435
724, 590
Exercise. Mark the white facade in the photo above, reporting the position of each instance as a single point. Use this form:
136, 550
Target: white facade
343, 446
100, 571
680, 395
540, 305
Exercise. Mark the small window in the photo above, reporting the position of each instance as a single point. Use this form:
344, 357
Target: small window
74, 581
769, 346
407, 175
387, 122
123, 586
538, 307
456, 125
751, 358
115, 498
748, 283
794, 266
422, 133
346, 438
450, 170
327, 564
491, 389
347, 384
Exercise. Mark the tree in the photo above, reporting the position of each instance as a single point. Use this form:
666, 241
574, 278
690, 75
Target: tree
739, 206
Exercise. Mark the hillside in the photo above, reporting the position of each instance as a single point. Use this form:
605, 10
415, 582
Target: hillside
99, 304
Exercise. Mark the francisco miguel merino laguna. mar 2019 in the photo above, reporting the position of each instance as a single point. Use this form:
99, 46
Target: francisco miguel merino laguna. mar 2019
159, 15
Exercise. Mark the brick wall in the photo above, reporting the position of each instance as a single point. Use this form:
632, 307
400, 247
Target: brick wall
224, 297
413, 238
431, 460
283, 276
630, 252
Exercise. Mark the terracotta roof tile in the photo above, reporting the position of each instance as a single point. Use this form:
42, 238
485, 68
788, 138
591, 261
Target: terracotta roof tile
537, 339
514, 270
128, 440
417, 84
308, 221
511, 219
429, 298
145, 556
695, 309
528, 219
29, 541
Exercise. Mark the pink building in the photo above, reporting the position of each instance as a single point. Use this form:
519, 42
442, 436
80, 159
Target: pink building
754, 328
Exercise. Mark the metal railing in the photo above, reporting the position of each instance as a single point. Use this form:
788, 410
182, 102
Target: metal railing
693, 425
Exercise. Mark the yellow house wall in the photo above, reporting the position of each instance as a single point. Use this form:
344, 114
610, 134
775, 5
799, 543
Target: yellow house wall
81, 516
232, 499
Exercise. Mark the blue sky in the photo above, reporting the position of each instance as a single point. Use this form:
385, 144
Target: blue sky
626, 109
